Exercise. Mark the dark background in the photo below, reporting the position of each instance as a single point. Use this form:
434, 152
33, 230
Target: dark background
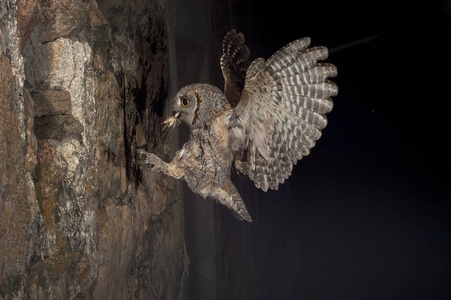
367, 214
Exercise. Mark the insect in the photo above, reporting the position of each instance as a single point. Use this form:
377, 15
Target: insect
269, 116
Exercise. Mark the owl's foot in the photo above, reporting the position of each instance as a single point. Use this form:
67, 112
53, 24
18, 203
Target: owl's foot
151, 160
157, 165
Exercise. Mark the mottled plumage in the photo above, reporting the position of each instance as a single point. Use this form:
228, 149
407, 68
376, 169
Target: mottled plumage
270, 115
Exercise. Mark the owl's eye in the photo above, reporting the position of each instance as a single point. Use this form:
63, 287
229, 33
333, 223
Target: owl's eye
184, 101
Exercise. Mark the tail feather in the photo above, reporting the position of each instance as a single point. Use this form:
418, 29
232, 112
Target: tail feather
228, 195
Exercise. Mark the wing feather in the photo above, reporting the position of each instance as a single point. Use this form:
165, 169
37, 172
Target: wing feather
282, 110
234, 64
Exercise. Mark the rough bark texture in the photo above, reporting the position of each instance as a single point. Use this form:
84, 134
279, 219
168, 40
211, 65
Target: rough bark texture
81, 86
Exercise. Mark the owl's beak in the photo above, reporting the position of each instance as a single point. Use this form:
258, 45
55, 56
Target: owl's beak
171, 121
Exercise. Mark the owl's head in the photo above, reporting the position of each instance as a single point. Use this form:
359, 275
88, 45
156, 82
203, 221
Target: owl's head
195, 104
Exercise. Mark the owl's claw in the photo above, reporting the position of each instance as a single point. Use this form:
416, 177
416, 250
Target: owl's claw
142, 155
150, 159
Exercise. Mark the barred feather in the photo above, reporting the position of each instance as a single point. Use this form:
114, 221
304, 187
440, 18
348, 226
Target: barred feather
283, 109
234, 64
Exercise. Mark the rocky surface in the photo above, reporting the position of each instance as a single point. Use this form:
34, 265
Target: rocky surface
82, 84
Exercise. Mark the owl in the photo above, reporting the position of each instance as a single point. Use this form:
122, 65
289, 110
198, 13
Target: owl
269, 116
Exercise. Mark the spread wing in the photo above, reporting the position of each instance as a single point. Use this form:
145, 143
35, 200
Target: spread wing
234, 64
282, 112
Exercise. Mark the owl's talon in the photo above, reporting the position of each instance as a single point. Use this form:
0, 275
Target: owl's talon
156, 168
149, 159
152, 159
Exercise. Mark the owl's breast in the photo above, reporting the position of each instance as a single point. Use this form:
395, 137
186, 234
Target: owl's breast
206, 158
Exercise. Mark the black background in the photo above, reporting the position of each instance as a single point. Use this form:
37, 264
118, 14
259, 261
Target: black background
367, 214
